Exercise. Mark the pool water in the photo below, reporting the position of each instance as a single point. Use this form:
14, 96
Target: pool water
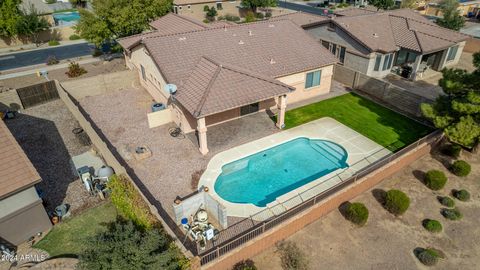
262, 177
66, 18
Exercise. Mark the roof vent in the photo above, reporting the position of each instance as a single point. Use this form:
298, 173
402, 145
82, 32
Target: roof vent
375, 35
225, 28
250, 33
271, 25
241, 42
234, 35
272, 61
182, 38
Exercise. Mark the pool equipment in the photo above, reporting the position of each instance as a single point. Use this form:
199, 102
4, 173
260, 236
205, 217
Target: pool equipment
200, 229
158, 107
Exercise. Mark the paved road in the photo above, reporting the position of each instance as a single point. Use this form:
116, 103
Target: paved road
35, 57
300, 7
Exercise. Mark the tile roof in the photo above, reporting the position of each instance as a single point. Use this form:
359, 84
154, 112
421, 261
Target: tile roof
389, 31
16, 170
355, 11
301, 19
215, 87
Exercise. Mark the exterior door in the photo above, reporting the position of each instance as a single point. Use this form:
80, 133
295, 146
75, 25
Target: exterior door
248, 109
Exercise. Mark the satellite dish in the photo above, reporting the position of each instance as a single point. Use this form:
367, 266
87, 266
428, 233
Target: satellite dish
171, 88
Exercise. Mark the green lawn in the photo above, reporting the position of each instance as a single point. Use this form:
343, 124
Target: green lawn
67, 237
384, 126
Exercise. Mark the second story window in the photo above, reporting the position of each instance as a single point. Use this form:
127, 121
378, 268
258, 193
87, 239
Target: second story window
313, 79
452, 52
219, 6
377, 62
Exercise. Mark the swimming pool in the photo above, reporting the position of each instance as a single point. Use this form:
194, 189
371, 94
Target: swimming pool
66, 18
262, 177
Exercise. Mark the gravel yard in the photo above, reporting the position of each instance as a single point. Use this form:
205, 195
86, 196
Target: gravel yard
45, 134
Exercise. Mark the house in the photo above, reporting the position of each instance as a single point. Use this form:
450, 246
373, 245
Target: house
468, 8
21, 211
378, 43
42, 9
195, 8
226, 72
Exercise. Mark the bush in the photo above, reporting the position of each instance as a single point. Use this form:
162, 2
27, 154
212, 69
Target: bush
245, 265
452, 214
221, 18
206, 8
206, 21
196, 175
232, 18
260, 16
268, 14
429, 256
75, 70
52, 60
97, 52
396, 202
461, 168
125, 246
50, 1
53, 43
435, 179
129, 202
357, 213
432, 225
74, 37
291, 256
250, 17
452, 150
461, 195
446, 201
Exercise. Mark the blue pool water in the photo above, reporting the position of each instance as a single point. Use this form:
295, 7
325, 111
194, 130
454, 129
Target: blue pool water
66, 18
262, 177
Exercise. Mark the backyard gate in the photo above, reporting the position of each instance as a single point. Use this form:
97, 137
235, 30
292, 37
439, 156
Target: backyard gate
37, 94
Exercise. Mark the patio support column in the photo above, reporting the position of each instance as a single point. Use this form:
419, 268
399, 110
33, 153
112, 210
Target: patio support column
415, 67
282, 105
202, 136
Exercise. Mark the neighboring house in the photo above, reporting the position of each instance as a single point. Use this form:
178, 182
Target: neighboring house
42, 9
21, 211
223, 73
400, 41
469, 8
195, 8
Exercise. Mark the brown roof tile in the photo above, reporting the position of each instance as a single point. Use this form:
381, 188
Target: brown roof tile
16, 170
301, 19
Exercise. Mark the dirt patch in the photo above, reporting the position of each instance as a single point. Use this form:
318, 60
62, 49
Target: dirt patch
386, 242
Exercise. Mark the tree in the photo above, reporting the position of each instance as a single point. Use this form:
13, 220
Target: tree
124, 246
10, 16
451, 15
458, 111
112, 19
78, 3
254, 4
382, 4
211, 13
31, 24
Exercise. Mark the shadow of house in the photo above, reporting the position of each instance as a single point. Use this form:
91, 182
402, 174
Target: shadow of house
43, 145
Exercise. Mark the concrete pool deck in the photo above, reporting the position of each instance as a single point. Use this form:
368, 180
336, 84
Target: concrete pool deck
361, 152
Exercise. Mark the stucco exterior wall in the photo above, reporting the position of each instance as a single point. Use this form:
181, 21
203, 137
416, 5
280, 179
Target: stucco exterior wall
298, 81
196, 10
57, 33
333, 34
453, 62
356, 62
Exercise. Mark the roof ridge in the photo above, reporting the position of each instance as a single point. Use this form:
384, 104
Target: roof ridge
209, 86
190, 20
418, 40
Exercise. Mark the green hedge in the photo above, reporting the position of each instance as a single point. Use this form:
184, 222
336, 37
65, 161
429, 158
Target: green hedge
396, 202
357, 213
461, 168
432, 225
74, 37
446, 201
429, 256
435, 179
461, 195
129, 202
452, 214
53, 43
452, 150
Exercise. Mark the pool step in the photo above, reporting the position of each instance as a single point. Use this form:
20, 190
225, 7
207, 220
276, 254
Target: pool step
335, 158
338, 151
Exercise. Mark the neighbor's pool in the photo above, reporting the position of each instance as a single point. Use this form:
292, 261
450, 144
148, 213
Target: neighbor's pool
262, 177
66, 18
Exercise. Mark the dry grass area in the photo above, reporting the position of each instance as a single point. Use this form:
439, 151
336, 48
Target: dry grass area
387, 242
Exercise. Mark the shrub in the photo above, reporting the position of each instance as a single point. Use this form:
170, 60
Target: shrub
268, 14
432, 225
50, 1
52, 60
74, 37
221, 18
206, 8
461, 168
435, 179
206, 21
260, 16
291, 256
195, 179
129, 202
446, 201
53, 43
452, 214
232, 18
461, 195
429, 256
357, 213
245, 265
249, 17
396, 202
452, 150
75, 70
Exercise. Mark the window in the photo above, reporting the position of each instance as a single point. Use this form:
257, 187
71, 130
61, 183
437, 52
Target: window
390, 61
341, 55
175, 9
404, 57
387, 61
144, 77
377, 63
333, 49
326, 44
219, 6
452, 52
313, 79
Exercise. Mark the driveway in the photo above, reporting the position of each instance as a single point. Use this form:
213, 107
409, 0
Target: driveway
39, 56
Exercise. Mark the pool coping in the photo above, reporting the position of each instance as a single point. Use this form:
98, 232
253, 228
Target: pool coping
358, 147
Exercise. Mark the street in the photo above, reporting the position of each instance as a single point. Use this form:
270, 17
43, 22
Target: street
300, 7
35, 57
